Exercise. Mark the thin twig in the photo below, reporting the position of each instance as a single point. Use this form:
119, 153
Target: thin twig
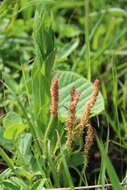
87, 187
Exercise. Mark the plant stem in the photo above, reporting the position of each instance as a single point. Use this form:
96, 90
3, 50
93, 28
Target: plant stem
48, 128
87, 38
88, 187
7, 159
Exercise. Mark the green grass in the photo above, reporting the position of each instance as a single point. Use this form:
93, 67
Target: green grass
78, 41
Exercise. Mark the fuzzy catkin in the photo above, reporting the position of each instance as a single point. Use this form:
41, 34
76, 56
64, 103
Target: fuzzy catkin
54, 96
72, 93
88, 107
72, 117
88, 143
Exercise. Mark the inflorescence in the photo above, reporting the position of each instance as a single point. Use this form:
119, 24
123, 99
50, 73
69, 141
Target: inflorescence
72, 131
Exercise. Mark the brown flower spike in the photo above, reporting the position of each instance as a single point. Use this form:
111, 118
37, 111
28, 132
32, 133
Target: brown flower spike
84, 122
72, 93
88, 143
88, 107
72, 117
54, 96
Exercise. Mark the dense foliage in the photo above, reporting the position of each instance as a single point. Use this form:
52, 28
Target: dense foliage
77, 41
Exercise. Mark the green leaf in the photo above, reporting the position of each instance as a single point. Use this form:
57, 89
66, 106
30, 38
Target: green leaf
25, 142
6, 158
39, 185
75, 160
67, 80
5, 142
67, 50
11, 118
10, 185
13, 125
40, 99
41, 73
19, 182
22, 172
43, 35
13, 131
4, 6
109, 167
5, 174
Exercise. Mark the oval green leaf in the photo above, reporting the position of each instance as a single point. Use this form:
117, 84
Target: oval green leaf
67, 80
13, 125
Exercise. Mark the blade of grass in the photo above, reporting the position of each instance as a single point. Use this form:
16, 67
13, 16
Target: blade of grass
66, 170
87, 39
109, 167
7, 159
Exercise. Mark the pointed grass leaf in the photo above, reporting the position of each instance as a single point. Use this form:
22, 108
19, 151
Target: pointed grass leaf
67, 80
67, 50
22, 172
41, 73
10, 185
39, 96
39, 185
43, 35
109, 167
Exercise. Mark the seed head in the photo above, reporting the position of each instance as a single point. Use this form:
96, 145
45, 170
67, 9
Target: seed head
54, 96
72, 115
88, 107
88, 143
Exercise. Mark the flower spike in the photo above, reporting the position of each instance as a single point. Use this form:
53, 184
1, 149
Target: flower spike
54, 96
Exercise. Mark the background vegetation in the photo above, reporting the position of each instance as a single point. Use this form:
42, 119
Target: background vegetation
88, 38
